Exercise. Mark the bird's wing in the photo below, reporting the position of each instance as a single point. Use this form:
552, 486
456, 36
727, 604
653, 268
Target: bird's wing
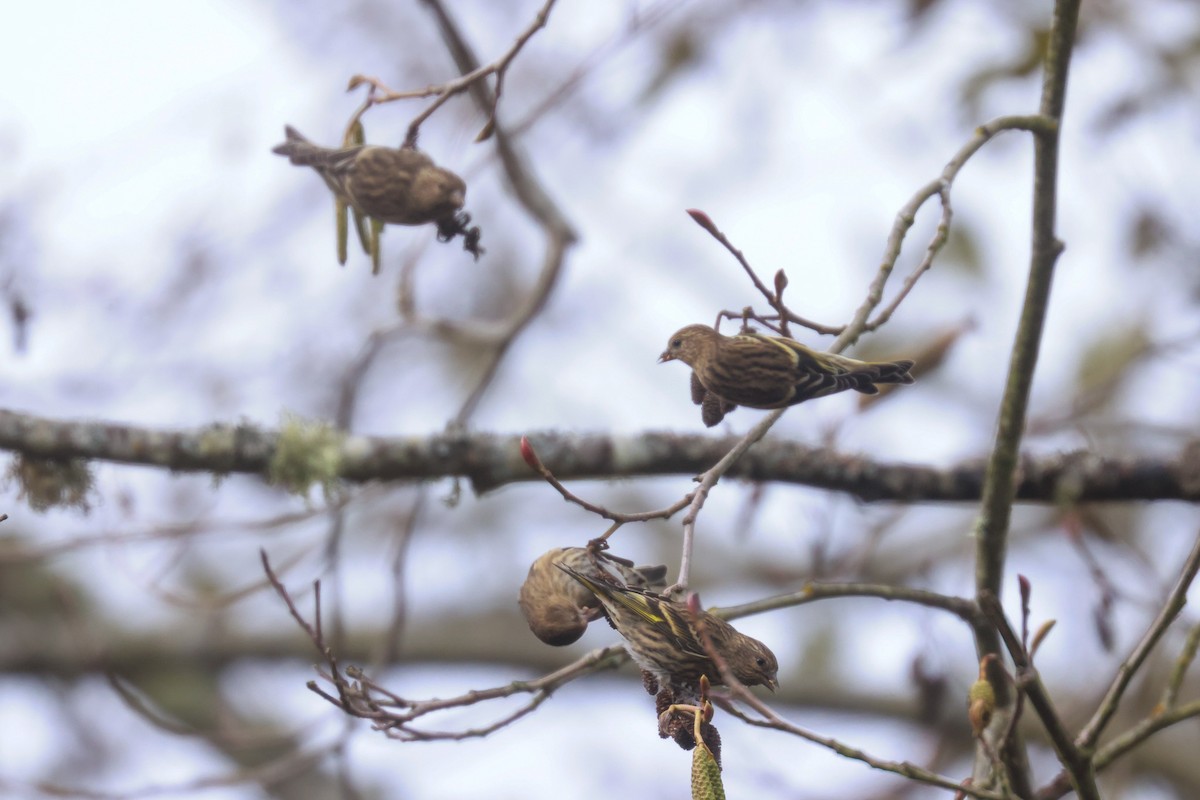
820, 374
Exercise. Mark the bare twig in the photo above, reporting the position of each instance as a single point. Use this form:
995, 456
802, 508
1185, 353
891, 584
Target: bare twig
862, 322
1186, 656
960, 607
360, 696
1122, 744
996, 505
773, 297
378, 93
1029, 682
620, 518
527, 189
400, 545
1128, 668
906, 216
707, 481
770, 719
737, 690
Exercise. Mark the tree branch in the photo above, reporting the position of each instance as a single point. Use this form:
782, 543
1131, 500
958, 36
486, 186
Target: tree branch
492, 460
1000, 483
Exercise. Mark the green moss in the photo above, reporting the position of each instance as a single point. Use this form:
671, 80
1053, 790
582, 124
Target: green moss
307, 453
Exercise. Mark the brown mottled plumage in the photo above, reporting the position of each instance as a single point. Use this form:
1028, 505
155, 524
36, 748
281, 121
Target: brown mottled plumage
558, 608
659, 636
769, 371
401, 186
712, 408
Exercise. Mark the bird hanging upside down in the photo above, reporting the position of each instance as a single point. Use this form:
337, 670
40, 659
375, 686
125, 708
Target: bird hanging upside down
396, 185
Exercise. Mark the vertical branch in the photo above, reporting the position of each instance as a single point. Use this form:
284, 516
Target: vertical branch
996, 504
529, 192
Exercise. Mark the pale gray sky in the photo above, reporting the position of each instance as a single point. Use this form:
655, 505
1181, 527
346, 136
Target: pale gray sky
180, 274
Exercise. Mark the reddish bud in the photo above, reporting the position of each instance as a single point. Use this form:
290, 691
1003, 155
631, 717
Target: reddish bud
703, 221
527, 453
1026, 589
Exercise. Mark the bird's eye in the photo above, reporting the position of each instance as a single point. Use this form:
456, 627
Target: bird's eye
677, 343
762, 662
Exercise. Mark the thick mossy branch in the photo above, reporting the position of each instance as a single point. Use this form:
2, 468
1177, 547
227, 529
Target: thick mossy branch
491, 460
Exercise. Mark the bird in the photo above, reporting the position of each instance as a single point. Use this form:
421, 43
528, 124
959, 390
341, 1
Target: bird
661, 638
558, 608
759, 371
396, 185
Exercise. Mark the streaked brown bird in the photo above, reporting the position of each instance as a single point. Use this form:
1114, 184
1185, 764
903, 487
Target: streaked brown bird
659, 636
758, 371
558, 608
401, 186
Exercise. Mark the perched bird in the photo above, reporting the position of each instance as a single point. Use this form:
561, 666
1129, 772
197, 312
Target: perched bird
401, 186
770, 371
659, 636
558, 608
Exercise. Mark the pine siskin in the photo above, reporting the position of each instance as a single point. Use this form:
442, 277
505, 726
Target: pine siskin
770, 371
559, 608
401, 186
659, 636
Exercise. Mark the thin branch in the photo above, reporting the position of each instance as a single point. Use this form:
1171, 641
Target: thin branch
1176, 600
905, 769
1186, 656
737, 690
378, 93
526, 188
774, 298
618, 517
1138, 734
707, 481
939, 187
1124, 743
1000, 483
376, 703
960, 607
360, 696
1076, 761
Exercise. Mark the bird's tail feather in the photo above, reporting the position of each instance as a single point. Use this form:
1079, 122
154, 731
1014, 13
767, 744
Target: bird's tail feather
300, 150
894, 372
882, 372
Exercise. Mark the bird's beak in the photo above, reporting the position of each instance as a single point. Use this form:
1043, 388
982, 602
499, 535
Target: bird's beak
773, 684
665, 357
